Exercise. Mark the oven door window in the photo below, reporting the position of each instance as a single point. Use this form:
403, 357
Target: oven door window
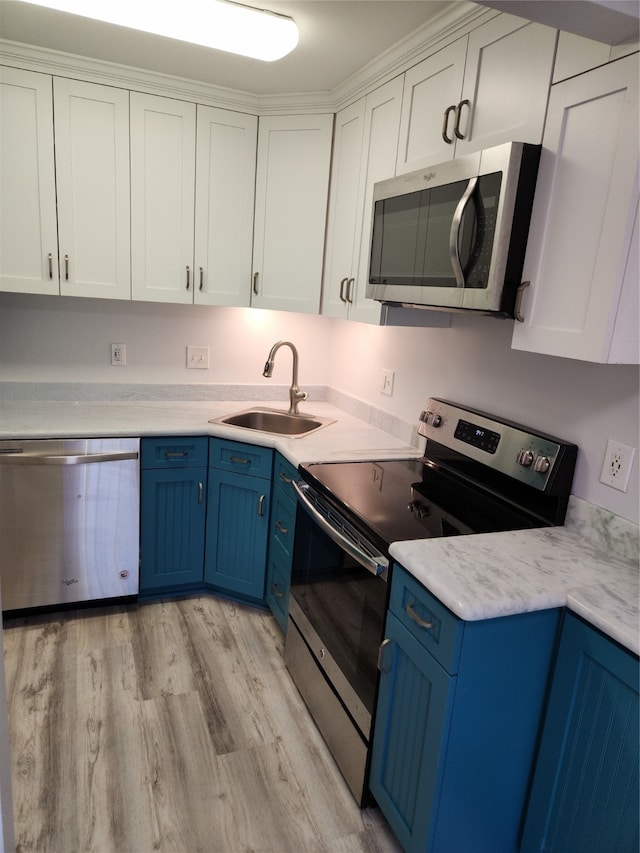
344, 603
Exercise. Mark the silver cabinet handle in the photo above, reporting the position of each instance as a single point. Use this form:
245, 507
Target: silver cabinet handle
447, 113
285, 479
239, 460
50, 265
382, 647
350, 284
456, 127
200, 492
176, 454
454, 234
519, 294
261, 505
66, 267
201, 278
417, 619
20, 458
281, 529
275, 589
255, 283
188, 278
342, 284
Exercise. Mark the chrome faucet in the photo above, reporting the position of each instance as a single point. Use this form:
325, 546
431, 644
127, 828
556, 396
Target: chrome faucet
295, 394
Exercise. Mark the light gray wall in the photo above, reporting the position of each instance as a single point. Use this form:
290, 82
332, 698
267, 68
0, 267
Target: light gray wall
67, 340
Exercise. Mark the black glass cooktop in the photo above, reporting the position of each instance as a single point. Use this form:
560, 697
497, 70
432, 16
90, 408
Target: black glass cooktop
413, 499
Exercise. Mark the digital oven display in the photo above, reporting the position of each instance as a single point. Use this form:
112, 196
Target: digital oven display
484, 439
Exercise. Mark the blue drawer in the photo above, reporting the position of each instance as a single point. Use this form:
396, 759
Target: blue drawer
427, 619
283, 475
177, 452
241, 458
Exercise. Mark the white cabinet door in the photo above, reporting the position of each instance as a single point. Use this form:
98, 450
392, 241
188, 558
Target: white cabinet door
506, 82
345, 210
92, 177
365, 152
225, 188
382, 122
582, 228
163, 151
430, 89
292, 182
28, 228
485, 89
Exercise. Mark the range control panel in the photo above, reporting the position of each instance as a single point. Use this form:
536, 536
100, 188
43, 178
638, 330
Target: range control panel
528, 456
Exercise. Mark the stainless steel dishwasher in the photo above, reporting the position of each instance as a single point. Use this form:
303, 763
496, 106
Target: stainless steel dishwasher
69, 520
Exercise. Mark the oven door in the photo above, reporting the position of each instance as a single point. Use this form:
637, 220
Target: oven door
337, 608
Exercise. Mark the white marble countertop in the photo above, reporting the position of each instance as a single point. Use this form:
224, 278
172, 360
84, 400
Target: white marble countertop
501, 574
349, 438
590, 565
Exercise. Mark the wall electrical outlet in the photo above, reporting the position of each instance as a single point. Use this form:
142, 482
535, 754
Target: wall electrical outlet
386, 381
198, 357
616, 468
118, 355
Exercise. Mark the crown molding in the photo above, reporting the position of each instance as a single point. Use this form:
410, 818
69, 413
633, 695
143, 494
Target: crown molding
444, 29
61, 64
441, 31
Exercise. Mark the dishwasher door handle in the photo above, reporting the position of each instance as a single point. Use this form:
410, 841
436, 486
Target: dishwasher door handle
20, 458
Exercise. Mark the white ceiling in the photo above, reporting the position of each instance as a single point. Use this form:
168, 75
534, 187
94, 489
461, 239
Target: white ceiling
337, 38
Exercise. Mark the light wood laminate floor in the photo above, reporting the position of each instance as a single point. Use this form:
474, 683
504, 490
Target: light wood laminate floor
169, 726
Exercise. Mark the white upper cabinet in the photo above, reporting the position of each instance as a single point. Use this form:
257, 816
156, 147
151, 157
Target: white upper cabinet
485, 89
92, 179
581, 258
82, 247
365, 149
225, 188
380, 149
346, 204
292, 182
28, 229
163, 152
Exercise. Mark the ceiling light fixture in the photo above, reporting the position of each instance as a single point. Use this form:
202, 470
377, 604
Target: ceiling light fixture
221, 24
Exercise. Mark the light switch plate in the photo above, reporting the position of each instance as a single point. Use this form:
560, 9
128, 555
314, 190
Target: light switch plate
198, 357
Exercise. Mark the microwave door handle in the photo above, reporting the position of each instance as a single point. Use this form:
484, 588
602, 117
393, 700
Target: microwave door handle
454, 234
376, 566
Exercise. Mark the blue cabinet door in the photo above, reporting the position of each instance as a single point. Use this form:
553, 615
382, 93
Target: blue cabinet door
172, 527
458, 720
413, 715
585, 792
237, 531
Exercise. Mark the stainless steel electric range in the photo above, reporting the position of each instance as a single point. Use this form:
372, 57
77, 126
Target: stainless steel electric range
478, 474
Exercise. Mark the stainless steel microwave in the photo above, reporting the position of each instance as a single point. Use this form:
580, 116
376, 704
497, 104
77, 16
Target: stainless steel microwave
453, 236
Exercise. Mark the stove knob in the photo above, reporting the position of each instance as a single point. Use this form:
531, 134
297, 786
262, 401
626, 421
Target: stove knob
432, 419
541, 464
525, 458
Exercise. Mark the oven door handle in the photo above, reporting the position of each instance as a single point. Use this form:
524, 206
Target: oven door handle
375, 563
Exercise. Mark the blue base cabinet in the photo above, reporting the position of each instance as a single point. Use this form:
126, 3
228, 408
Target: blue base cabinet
238, 518
172, 513
585, 794
457, 722
281, 539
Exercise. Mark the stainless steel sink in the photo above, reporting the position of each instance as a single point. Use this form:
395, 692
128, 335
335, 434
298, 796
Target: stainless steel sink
274, 421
